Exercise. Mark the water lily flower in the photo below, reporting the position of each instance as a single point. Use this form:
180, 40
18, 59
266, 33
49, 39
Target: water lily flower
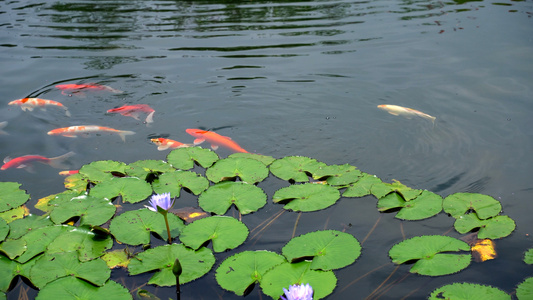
160, 200
298, 292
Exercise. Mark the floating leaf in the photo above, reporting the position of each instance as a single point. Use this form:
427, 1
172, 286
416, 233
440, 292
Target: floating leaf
131, 189
483, 250
38, 240
239, 272
406, 192
528, 257
15, 214
224, 232
184, 158
219, 198
4, 229
426, 205
524, 291
161, 259
468, 291
247, 169
296, 168
13, 248
267, 160
102, 170
74, 288
327, 250
91, 210
88, 244
116, 258
11, 196
134, 227
286, 274
363, 186
9, 269
173, 182
189, 214
492, 228
50, 267
458, 204
427, 251
307, 197
22, 226
142, 168
76, 182
338, 174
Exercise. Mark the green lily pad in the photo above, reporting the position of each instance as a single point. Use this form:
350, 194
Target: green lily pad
4, 229
185, 158
131, 189
50, 267
296, 168
102, 170
91, 210
239, 272
528, 257
327, 250
161, 259
116, 258
247, 169
13, 248
74, 288
11, 196
14, 214
524, 291
38, 240
427, 251
134, 227
307, 196
76, 182
363, 186
224, 232
406, 192
491, 228
22, 226
46, 204
267, 160
468, 291
87, 243
142, 168
459, 203
173, 182
9, 269
219, 197
287, 274
338, 174
425, 205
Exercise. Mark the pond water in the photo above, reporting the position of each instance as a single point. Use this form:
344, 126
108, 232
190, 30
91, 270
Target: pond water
293, 78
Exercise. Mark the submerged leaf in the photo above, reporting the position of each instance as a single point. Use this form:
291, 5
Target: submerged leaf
307, 197
247, 169
131, 189
224, 232
484, 250
295, 168
184, 158
492, 228
173, 182
468, 291
219, 198
74, 288
11, 196
458, 204
425, 205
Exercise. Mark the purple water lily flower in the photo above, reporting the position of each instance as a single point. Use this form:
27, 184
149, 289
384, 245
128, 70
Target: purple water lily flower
161, 200
298, 292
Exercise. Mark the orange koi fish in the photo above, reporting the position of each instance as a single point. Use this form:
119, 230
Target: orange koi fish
78, 88
27, 160
31, 103
74, 131
69, 172
214, 139
164, 144
135, 111
405, 112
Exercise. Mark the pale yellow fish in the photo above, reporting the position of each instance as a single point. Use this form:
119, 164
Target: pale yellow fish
405, 112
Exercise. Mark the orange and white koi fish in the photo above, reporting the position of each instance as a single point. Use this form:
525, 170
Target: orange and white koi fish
77, 89
214, 139
74, 131
69, 172
135, 111
164, 144
405, 112
31, 103
27, 160
2, 126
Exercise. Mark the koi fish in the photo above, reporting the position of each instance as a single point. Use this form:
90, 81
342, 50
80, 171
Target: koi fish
135, 111
74, 131
27, 160
405, 112
69, 172
31, 103
214, 139
2, 126
78, 88
164, 144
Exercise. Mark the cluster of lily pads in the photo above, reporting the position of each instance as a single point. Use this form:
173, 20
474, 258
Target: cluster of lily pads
69, 249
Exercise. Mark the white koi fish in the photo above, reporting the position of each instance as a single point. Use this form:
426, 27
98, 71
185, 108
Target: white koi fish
405, 112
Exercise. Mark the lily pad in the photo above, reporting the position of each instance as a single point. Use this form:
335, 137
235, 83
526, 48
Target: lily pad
22, 226
238, 273
524, 291
247, 169
102, 170
76, 182
117, 258
173, 182
4, 229
46, 204
458, 204
468, 291
195, 264
406, 192
307, 197
224, 232
38, 240
327, 250
9, 269
296, 168
287, 274
219, 198
91, 210
528, 257
13, 248
74, 288
185, 158
14, 214
425, 205
338, 174
428, 253
267, 160
142, 168
131, 189
11, 196
88, 244
134, 227
363, 186
491, 228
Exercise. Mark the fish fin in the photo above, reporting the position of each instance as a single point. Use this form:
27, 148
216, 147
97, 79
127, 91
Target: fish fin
162, 147
2, 126
22, 166
124, 133
133, 114
393, 113
185, 145
198, 141
67, 113
70, 135
26, 108
59, 161
214, 147
150, 117
7, 159
29, 168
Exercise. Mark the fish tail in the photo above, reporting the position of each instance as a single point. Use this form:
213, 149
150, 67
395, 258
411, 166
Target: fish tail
150, 117
124, 133
2, 126
59, 162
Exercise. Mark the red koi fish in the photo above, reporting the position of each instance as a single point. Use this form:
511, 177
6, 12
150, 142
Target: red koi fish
135, 111
214, 139
69, 172
164, 144
77, 89
74, 131
27, 160
31, 103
